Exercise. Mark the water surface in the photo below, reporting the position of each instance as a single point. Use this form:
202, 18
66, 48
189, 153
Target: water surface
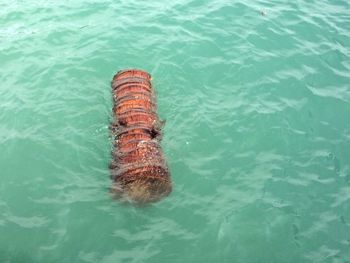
256, 96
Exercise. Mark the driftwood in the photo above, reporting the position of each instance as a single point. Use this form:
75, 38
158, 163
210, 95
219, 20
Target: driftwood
138, 168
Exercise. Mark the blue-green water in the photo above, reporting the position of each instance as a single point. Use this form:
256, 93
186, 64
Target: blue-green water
256, 95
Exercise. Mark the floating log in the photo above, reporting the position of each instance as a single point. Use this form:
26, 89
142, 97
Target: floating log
138, 167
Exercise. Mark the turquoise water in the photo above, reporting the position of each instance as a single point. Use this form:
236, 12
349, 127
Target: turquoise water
256, 95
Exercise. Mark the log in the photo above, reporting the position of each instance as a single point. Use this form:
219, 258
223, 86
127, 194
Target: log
138, 168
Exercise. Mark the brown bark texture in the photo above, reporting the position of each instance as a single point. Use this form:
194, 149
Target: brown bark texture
138, 167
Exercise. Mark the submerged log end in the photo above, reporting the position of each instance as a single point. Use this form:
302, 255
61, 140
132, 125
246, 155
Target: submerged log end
142, 190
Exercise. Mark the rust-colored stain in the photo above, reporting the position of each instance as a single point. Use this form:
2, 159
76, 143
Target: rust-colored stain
138, 168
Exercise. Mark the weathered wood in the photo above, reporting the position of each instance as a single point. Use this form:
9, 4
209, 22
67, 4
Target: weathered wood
138, 168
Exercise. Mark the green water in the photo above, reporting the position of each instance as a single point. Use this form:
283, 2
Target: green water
256, 95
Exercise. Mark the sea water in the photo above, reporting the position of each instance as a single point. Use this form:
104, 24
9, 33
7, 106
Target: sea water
256, 98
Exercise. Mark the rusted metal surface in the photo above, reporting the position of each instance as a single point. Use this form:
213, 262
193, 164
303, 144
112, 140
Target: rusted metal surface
138, 168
